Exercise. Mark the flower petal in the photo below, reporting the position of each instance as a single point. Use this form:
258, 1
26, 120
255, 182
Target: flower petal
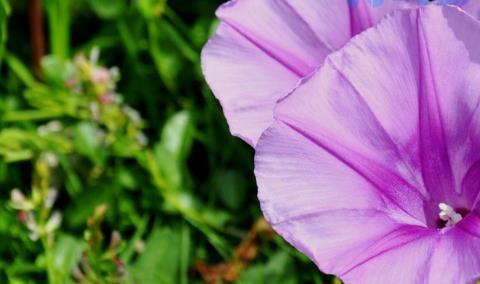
296, 178
366, 13
436, 90
246, 80
262, 49
323, 206
456, 255
381, 134
361, 245
400, 257
472, 7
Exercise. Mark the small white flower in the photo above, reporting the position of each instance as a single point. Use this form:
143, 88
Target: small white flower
51, 197
132, 114
17, 197
114, 73
19, 201
139, 246
32, 226
51, 127
142, 139
51, 159
33, 236
54, 222
94, 55
95, 111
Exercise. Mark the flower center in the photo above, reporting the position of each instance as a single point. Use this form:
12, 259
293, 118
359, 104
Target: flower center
448, 215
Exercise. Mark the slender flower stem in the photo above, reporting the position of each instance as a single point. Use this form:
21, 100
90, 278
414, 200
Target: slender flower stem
49, 260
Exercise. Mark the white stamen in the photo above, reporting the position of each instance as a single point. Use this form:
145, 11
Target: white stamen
448, 214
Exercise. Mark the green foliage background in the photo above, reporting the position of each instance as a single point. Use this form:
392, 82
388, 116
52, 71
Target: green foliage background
187, 195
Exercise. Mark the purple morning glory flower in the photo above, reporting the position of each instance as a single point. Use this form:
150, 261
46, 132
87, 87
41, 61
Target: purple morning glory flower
372, 165
262, 48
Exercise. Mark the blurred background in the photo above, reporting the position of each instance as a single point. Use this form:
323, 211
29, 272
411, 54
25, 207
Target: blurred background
116, 164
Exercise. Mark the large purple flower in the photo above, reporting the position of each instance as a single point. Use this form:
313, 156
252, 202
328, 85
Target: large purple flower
372, 166
262, 48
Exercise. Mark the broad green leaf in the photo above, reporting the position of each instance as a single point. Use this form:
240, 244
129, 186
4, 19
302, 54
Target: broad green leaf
160, 261
177, 135
174, 147
67, 254
55, 70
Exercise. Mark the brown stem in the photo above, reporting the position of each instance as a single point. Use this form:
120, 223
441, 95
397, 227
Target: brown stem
245, 253
37, 34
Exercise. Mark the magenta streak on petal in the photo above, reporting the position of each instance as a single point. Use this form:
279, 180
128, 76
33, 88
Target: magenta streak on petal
425, 194
414, 234
342, 134
471, 184
297, 67
471, 181
360, 18
471, 225
436, 167
376, 175
324, 212
324, 43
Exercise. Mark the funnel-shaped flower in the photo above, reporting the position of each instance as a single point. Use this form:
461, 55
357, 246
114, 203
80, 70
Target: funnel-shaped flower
262, 49
372, 166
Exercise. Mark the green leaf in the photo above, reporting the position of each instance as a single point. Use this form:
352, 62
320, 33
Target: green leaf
141, 227
67, 253
108, 9
177, 135
167, 60
151, 8
279, 269
4, 14
55, 70
72, 180
169, 50
58, 102
231, 187
20, 70
58, 14
87, 142
160, 261
174, 147
18, 145
85, 203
